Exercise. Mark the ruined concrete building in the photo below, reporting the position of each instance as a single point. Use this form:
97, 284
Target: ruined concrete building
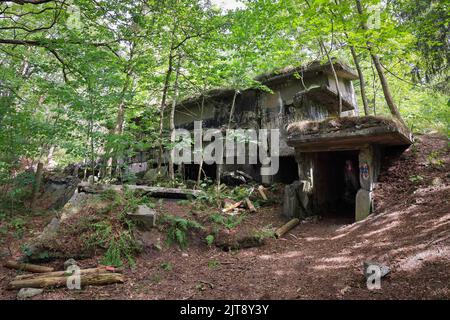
303, 93
329, 158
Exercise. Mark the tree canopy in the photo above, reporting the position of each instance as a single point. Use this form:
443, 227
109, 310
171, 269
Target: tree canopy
75, 74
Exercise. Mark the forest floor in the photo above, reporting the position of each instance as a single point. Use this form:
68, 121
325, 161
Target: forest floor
319, 259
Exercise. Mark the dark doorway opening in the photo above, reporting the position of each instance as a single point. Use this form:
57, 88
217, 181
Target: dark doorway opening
336, 182
208, 171
288, 170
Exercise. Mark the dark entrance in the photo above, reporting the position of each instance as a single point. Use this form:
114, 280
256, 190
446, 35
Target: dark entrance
288, 170
336, 181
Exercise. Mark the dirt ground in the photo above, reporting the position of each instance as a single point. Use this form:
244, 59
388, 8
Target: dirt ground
409, 232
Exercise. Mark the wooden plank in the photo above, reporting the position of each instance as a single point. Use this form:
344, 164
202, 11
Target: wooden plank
262, 193
250, 205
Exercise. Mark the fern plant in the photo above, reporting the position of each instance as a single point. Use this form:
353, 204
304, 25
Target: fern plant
178, 230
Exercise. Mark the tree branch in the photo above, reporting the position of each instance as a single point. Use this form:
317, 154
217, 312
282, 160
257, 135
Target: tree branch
22, 2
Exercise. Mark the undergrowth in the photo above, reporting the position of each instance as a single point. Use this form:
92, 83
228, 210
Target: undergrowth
110, 229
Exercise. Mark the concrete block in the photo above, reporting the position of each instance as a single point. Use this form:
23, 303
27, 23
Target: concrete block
144, 217
25, 293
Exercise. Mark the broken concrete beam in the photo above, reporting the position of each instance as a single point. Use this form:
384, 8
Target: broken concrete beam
157, 192
363, 205
144, 217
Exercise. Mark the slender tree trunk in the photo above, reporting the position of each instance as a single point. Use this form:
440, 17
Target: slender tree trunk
323, 49
163, 107
376, 61
374, 89
37, 184
336, 79
200, 166
362, 83
172, 118
230, 118
219, 166
118, 128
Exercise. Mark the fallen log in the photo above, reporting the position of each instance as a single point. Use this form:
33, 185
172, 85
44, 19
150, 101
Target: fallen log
68, 273
286, 227
26, 267
250, 205
262, 193
96, 279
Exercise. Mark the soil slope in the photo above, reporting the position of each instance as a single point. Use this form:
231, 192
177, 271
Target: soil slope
409, 232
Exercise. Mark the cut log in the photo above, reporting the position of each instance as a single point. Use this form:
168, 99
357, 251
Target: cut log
250, 205
286, 227
232, 206
96, 279
67, 273
262, 193
26, 267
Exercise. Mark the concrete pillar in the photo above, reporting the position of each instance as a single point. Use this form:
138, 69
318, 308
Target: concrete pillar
367, 175
363, 204
266, 179
366, 168
303, 188
291, 203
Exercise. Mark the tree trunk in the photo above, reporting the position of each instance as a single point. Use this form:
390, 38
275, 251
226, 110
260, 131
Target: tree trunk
37, 184
118, 128
219, 166
172, 119
67, 273
376, 61
336, 79
200, 166
26, 267
163, 100
362, 83
324, 50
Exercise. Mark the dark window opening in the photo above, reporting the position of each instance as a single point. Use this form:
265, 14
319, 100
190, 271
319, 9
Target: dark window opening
208, 171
